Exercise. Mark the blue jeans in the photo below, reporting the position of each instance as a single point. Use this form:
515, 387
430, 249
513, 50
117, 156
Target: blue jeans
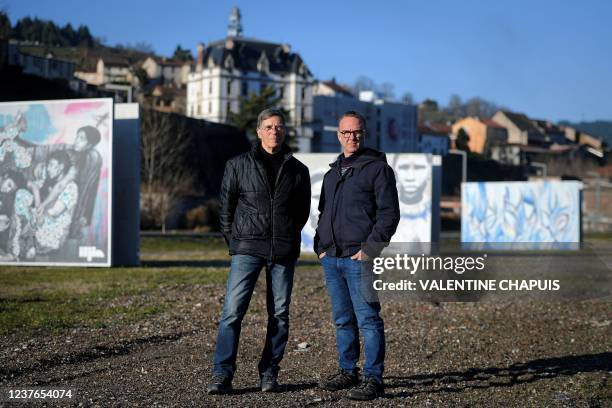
241, 281
354, 312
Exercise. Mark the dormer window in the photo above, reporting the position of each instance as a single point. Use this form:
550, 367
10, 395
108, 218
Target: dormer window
229, 63
263, 65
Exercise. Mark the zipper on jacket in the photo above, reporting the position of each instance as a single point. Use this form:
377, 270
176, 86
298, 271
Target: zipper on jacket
280, 169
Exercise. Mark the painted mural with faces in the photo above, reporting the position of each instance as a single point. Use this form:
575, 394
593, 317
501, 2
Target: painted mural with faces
55, 161
413, 174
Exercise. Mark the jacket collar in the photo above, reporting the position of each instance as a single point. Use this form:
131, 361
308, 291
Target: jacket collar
285, 150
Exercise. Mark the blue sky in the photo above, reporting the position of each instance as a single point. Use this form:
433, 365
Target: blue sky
548, 59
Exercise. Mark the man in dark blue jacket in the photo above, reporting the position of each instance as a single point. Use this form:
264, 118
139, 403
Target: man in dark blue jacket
359, 213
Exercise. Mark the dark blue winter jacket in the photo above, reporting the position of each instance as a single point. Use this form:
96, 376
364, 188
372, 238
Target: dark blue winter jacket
359, 207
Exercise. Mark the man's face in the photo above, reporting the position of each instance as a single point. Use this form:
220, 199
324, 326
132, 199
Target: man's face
412, 173
8, 185
272, 134
350, 134
54, 168
80, 142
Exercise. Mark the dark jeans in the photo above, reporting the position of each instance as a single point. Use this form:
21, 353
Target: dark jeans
241, 281
354, 312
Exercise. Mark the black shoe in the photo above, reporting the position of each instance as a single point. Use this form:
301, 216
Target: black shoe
220, 384
268, 383
339, 381
369, 389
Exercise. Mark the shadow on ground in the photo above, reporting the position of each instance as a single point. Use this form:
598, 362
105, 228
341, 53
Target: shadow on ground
519, 373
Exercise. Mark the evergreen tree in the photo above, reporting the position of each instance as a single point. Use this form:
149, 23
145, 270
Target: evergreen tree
463, 140
5, 25
182, 55
250, 107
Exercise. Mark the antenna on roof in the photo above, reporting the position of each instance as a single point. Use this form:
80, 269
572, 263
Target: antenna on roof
234, 28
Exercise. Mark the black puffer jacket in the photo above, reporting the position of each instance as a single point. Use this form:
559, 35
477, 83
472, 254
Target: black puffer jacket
253, 221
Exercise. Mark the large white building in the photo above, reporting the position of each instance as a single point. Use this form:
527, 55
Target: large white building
233, 68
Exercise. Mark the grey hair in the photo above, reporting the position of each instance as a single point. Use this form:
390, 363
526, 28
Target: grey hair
355, 114
267, 114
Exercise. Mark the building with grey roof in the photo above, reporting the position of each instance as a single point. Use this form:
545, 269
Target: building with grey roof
233, 68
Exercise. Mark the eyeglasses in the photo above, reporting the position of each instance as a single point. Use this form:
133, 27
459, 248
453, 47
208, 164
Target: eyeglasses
346, 134
278, 128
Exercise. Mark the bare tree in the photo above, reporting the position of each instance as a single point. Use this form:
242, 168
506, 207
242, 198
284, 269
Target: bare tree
455, 106
407, 98
386, 90
364, 83
164, 147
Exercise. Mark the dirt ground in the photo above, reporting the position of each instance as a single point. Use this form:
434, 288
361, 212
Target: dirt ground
451, 354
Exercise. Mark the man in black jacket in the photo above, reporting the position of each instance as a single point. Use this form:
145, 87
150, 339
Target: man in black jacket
265, 202
359, 213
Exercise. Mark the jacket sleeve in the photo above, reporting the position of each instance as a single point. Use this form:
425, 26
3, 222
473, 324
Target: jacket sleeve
302, 200
387, 212
315, 244
229, 199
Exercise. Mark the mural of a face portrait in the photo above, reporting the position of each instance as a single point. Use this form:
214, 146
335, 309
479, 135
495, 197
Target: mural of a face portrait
413, 173
55, 182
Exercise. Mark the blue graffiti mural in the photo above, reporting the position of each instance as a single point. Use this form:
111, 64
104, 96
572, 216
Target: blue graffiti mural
521, 212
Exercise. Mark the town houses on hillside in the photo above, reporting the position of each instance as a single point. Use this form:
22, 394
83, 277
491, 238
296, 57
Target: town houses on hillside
228, 71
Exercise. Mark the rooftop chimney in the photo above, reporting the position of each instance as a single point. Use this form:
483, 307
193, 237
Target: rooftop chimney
200, 61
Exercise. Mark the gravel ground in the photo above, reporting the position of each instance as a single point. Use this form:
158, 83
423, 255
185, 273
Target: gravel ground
451, 354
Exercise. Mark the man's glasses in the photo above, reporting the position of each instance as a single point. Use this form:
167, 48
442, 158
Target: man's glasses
346, 134
278, 128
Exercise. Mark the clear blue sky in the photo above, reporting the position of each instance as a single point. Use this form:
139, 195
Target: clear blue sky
548, 59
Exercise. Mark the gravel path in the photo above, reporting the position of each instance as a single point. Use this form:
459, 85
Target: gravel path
452, 354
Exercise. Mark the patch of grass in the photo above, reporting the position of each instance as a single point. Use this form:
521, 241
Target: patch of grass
171, 243
41, 299
54, 298
599, 235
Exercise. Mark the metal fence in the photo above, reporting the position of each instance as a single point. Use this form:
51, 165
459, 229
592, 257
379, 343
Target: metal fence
597, 205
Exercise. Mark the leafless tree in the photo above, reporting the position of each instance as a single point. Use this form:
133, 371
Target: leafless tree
164, 147
386, 90
407, 98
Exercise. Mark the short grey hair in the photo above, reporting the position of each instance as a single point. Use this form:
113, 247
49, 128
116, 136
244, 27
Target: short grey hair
267, 114
354, 114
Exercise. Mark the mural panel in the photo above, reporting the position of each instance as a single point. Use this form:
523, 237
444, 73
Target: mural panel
547, 211
55, 182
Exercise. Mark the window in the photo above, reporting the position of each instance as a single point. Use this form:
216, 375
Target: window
262, 86
209, 107
199, 110
303, 93
228, 108
245, 88
210, 86
229, 87
281, 91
